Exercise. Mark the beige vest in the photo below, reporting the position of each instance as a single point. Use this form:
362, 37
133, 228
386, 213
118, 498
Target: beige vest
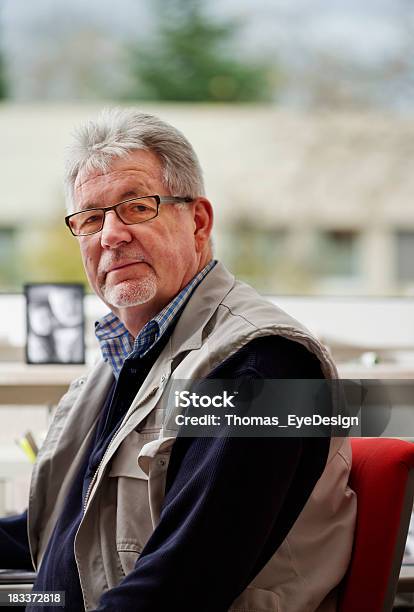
125, 499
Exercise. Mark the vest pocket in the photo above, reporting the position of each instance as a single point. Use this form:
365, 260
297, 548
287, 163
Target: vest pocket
128, 555
133, 517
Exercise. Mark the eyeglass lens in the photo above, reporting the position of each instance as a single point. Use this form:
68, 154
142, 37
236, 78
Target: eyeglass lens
133, 211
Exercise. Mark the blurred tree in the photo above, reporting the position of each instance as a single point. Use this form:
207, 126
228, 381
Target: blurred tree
3, 75
189, 59
3, 80
51, 255
8, 257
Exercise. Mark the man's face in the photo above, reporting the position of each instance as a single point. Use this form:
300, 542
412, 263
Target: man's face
148, 263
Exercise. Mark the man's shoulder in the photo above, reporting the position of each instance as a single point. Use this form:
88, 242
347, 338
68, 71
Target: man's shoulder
244, 312
241, 316
244, 301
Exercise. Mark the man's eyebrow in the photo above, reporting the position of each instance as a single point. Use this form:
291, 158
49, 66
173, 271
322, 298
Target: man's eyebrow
89, 206
131, 193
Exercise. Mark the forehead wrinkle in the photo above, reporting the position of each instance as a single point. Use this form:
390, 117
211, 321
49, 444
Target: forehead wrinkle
131, 172
126, 195
95, 186
125, 181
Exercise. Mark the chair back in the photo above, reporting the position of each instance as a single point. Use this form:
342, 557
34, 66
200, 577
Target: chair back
382, 476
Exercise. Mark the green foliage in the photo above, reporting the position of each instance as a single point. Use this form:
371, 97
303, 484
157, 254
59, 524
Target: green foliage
3, 75
189, 60
52, 255
3, 80
8, 258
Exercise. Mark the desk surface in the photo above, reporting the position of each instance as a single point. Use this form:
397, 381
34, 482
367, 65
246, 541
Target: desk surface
25, 384
389, 371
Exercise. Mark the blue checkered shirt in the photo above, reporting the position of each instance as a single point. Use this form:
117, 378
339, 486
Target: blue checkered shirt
117, 343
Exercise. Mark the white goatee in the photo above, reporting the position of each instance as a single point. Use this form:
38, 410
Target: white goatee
131, 292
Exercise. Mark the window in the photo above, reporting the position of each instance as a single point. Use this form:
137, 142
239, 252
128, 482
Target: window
253, 252
405, 255
336, 253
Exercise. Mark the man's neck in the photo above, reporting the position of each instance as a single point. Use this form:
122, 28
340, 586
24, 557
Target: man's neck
135, 317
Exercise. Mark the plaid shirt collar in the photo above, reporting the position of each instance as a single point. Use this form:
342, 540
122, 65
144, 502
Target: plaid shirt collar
117, 343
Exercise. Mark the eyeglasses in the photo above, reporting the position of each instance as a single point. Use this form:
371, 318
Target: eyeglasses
130, 212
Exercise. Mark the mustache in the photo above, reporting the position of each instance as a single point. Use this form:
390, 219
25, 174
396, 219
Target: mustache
110, 259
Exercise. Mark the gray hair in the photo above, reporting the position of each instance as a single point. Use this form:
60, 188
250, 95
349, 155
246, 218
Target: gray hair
118, 131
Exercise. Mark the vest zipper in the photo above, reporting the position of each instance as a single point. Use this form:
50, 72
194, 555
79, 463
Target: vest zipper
92, 482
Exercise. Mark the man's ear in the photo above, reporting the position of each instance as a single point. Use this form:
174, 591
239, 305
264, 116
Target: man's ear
203, 222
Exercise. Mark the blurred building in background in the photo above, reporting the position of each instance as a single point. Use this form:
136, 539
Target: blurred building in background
310, 203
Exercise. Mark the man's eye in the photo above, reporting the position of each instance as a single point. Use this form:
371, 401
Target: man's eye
140, 208
92, 219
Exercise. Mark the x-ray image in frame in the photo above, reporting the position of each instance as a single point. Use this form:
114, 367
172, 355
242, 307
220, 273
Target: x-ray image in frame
55, 323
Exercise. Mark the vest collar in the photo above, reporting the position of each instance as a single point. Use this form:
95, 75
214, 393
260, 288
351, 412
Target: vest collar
200, 308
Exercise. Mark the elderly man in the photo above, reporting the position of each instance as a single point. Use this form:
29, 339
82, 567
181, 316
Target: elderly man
123, 515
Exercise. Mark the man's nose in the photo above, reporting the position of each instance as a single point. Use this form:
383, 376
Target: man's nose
114, 231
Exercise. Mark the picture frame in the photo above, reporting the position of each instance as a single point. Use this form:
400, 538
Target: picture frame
55, 323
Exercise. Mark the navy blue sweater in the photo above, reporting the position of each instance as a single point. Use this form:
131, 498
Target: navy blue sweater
229, 504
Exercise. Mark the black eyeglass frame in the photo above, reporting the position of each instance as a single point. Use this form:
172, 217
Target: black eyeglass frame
159, 199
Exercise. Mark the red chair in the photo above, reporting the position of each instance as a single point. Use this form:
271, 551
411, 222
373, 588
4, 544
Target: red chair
383, 477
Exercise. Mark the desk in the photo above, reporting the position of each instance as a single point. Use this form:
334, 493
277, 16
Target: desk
38, 385
29, 385
43, 385
387, 371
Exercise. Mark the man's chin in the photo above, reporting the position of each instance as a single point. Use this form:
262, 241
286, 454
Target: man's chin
128, 293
